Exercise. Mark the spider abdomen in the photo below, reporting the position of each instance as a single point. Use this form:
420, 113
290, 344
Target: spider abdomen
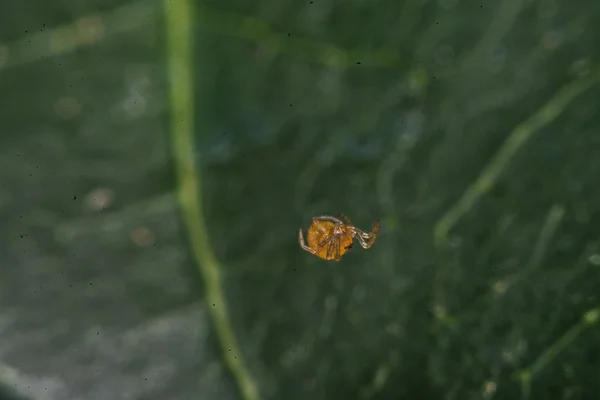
323, 238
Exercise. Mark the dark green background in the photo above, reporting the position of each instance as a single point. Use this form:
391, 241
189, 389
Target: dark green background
420, 99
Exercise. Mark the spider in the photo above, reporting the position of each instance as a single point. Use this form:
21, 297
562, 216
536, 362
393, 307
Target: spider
329, 237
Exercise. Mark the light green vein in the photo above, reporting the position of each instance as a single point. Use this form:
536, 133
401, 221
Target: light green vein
504, 19
179, 52
93, 28
380, 378
518, 137
87, 30
526, 375
555, 216
259, 31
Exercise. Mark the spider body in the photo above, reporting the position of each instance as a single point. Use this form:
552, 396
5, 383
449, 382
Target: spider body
330, 238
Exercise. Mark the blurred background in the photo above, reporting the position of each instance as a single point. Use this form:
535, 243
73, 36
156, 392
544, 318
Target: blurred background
158, 158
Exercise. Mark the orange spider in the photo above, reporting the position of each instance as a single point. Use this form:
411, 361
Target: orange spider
329, 238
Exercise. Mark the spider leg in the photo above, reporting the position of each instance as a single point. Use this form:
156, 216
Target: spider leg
371, 242
325, 241
363, 234
363, 242
376, 226
337, 249
327, 218
346, 219
303, 245
333, 249
372, 235
329, 250
360, 233
362, 238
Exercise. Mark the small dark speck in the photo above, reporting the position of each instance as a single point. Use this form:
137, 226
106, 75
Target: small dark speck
213, 304
289, 34
145, 379
25, 31
90, 283
228, 349
97, 333
437, 23
74, 197
290, 105
358, 62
